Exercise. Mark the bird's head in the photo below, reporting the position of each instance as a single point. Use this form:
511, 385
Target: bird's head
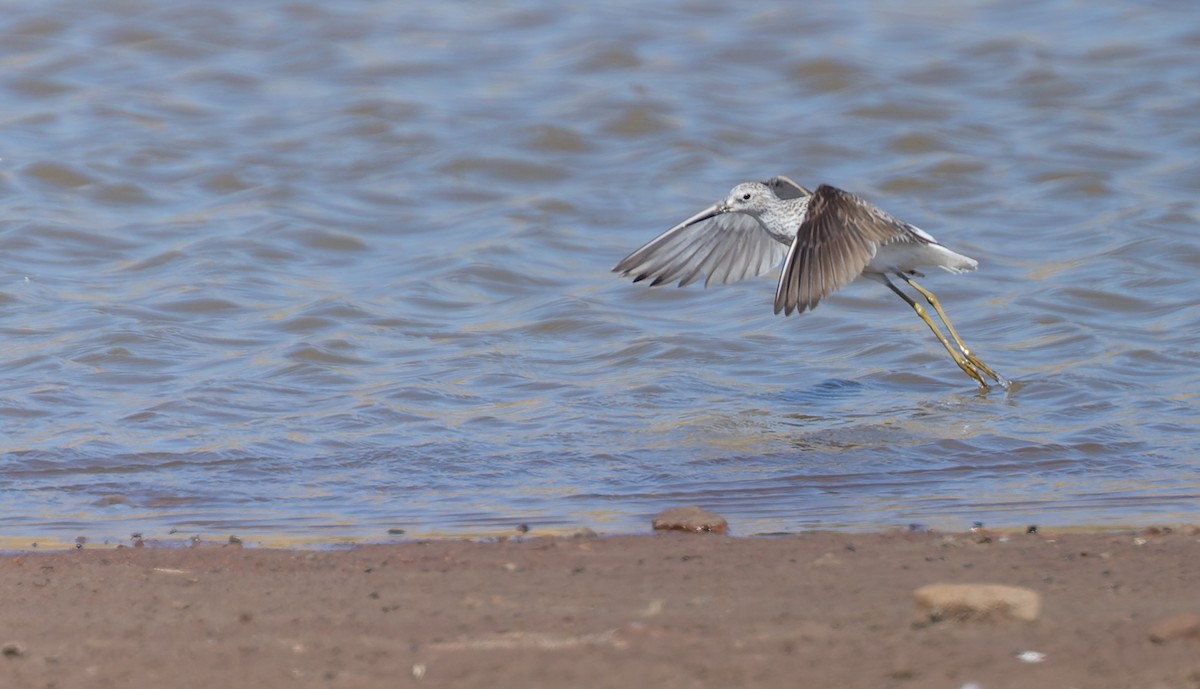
751, 198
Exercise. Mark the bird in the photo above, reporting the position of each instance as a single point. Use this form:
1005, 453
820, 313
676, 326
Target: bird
825, 239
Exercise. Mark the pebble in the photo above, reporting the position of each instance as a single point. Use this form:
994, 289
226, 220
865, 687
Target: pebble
13, 649
1184, 625
936, 602
692, 519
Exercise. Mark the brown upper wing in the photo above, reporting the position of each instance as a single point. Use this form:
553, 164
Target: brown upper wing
838, 238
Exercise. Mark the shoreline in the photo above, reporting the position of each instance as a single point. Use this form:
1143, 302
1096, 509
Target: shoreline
10, 545
669, 610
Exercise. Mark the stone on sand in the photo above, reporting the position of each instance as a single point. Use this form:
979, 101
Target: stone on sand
936, 602
692, 519
1185, 625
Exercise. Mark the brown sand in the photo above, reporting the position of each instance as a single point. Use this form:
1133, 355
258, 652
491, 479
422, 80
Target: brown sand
671, 610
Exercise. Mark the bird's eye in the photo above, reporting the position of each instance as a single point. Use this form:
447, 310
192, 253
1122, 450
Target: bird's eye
746, 196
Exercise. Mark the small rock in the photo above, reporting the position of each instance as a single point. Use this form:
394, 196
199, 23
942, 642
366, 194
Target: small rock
1031, 656
982, 535
937, 602
12, 649
827, 560
1185, 625
693, 519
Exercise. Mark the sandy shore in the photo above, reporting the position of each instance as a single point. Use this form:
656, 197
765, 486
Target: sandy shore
670, 610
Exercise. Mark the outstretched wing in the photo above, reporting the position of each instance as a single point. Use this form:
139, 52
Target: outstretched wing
785, 188
838, 238
719, 247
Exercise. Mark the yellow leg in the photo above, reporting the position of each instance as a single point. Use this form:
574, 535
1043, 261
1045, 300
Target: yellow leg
933, 301
967, 366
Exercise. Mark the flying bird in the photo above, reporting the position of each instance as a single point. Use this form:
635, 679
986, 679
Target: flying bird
825, 239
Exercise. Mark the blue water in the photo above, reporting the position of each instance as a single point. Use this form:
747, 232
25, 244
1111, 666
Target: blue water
307, 273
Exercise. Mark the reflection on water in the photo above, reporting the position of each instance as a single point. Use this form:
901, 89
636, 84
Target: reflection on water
308, 273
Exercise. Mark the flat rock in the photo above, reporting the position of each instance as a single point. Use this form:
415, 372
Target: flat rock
936, 602
1185, 625
692, 519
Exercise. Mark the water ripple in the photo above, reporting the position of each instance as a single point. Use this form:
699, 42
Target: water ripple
310, 272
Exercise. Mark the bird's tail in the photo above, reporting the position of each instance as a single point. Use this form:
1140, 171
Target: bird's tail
956, 262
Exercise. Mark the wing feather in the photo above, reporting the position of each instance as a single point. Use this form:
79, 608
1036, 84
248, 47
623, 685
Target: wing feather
721, 248
785, 188
838, 238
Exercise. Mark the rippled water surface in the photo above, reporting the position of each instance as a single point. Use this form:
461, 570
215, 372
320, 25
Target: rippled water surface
307, 272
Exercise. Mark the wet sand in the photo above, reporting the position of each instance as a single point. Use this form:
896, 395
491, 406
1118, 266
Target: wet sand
669, 610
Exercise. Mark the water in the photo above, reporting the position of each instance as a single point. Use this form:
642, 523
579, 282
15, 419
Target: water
308, 272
